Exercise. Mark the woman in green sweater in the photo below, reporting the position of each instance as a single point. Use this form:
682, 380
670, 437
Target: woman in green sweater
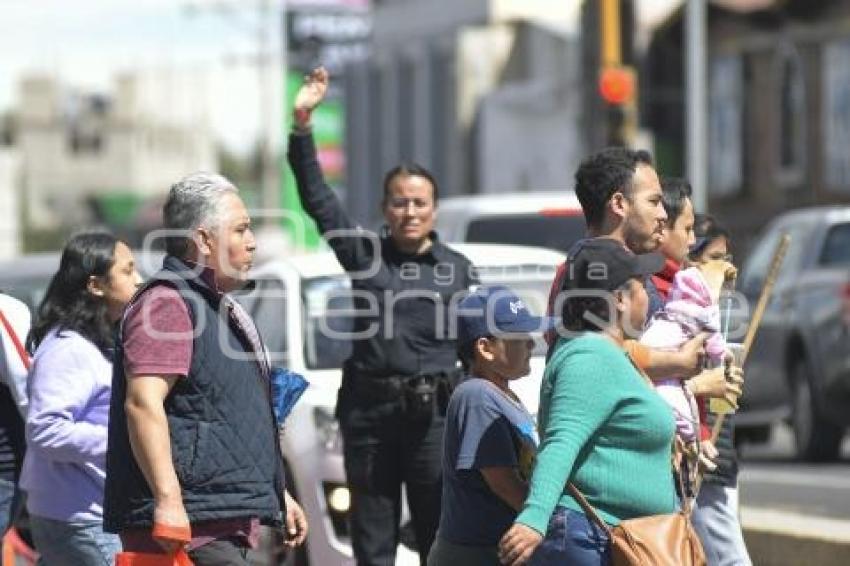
604, 427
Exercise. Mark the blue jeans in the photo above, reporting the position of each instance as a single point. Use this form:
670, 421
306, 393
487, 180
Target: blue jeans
10, 498
61, 543
573, 539
715, 519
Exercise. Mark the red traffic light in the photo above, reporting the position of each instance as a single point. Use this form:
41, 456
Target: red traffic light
617, 85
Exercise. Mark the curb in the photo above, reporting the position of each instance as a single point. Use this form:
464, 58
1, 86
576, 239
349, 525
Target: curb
780, 538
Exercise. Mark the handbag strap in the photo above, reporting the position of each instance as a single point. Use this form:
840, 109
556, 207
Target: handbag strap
15, 340
591, 512
677, 473
686, 501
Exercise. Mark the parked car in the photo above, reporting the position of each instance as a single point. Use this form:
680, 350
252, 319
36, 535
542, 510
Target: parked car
546, 219
799, 366
26, 277
299, 305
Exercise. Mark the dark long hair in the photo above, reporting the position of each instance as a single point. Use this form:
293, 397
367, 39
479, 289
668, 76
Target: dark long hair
706, 230
675, 192
68, 305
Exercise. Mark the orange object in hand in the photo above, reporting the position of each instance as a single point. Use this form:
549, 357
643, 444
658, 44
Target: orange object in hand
169, 532
160, 531
180, 558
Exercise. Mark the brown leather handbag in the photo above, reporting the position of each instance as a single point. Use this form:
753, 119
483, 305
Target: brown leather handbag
656, 540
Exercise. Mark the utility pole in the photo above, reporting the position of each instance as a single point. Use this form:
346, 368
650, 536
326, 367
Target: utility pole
610, 33
268, 171
617, 82
696, 105
266, 61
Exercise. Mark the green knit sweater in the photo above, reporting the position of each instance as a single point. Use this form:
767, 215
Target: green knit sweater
606, 429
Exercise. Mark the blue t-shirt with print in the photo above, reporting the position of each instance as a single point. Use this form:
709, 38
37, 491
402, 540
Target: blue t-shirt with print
484, 428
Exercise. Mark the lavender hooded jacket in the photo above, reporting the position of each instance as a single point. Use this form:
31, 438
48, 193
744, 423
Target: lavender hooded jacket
64, 468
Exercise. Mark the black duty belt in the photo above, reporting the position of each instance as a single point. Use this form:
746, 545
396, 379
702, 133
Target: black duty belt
393, 387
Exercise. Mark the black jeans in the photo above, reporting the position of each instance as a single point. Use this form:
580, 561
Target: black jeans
222, 552
383, 448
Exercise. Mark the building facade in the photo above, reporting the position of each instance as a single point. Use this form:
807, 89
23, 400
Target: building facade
484, 93
89, 155
779, 106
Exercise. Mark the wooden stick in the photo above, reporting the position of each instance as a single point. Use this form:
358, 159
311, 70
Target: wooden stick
761, 306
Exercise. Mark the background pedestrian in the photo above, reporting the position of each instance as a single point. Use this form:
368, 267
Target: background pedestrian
72, 341
602, 423
491, 438
395, 385
715, 514
194, 458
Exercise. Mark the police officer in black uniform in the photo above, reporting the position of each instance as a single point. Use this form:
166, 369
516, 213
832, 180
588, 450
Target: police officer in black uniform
397, 381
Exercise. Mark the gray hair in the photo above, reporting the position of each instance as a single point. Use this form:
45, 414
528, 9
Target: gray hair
193, 202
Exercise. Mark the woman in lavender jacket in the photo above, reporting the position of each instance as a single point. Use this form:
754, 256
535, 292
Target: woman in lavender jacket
69, 389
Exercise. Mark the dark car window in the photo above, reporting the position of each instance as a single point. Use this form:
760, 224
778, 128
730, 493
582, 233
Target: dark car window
758, 261
760, 258
328, 321
267, 305
28, 291
795, 257
836, 247
555, 232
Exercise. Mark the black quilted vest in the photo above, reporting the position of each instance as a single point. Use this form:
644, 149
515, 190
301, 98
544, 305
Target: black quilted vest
224, 442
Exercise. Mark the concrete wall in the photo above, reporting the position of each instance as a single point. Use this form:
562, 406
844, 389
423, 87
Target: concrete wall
527, 135
480, 92
10, 228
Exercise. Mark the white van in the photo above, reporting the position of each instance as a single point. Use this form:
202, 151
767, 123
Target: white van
547, 219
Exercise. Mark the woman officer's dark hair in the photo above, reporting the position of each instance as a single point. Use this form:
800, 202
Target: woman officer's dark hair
408, 170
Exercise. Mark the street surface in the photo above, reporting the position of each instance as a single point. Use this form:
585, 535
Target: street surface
772, 479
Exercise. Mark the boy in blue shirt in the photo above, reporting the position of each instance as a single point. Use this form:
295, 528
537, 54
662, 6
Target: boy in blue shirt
490, 438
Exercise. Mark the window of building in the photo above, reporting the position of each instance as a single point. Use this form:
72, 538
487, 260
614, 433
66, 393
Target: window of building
85, 117
84, 140
7, 130
725, 123
835, 67
792, 119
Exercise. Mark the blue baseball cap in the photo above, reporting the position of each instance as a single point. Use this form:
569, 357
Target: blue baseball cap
497, 311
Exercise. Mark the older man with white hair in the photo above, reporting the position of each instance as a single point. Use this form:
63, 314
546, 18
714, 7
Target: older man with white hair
193, 455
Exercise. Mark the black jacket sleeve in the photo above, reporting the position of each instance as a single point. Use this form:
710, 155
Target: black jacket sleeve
354, 252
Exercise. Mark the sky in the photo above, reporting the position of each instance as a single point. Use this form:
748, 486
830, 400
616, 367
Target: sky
85, 43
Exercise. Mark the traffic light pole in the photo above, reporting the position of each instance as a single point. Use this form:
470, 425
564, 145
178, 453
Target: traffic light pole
696, 105
610, 33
